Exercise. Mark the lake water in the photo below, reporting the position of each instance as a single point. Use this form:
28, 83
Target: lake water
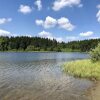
39, 76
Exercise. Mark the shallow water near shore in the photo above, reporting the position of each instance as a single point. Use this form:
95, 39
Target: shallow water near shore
39, 76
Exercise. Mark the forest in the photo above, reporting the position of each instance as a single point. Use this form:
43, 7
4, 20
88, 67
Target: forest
24, 43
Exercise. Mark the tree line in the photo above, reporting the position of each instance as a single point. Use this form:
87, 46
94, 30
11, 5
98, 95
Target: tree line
25, 43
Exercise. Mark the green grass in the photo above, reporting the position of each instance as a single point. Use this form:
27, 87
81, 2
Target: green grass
83, 69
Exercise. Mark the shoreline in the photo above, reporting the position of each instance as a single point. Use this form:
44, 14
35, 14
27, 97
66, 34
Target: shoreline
94, 91
45, 52
89, 70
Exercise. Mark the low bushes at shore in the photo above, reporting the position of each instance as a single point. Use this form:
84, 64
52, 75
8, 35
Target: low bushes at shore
83, 69
89, 68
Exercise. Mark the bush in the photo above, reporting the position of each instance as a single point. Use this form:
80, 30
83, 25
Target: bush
95, 54
30, 48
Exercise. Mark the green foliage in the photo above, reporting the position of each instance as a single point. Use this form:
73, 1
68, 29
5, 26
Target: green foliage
30, 48
95, 54
3, 43
83, 69
24, 43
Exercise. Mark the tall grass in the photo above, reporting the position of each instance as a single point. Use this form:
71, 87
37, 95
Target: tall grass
83, 69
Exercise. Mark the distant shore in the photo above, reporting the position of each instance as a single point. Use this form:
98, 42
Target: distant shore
27, 51
41, 51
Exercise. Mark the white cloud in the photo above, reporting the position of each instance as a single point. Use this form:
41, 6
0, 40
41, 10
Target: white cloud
7, 33
83, 36
38, 3
78, 38
59, 39
25, 9
86, 34
5, 20
80, 5
65, 24
39, 22
48, 23
52, 22
98, 16
95, 37
45, 34
98, 6
71, 38
98, 13
59, 4
4, 33
49, 35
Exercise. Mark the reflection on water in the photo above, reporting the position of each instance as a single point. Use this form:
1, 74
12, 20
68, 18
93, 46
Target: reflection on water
38, 76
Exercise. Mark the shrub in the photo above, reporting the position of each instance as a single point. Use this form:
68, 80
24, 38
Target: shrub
95, 54
30, 48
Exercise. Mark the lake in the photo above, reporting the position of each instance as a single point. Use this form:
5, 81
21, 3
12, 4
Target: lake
39, 76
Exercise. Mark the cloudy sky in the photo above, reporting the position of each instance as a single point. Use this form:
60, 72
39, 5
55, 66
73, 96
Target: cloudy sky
64, 20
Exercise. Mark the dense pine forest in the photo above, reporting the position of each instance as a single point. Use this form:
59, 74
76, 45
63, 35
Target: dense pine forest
25, 43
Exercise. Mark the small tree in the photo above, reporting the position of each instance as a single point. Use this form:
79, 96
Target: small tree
95, 54
30, 48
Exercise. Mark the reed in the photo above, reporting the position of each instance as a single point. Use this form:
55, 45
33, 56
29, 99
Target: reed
83, 69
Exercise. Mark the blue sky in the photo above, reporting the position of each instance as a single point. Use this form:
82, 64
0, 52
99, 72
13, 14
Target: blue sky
64, 20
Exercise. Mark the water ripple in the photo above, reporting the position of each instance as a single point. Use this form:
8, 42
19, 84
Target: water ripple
23, 78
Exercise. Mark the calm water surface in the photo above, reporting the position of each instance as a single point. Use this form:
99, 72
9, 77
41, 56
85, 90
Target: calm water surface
39, 76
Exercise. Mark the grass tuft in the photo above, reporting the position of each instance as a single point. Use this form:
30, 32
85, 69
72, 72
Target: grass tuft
83, 69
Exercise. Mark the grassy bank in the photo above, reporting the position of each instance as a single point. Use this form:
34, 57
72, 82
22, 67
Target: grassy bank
83, 69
